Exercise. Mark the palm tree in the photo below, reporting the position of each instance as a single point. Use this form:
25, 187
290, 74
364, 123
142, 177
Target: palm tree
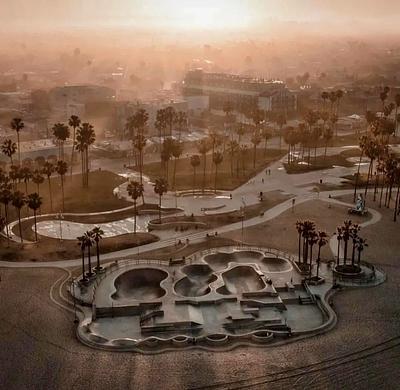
361, 244
61, 169
327, 135
177, 150
34, 202
322, 241
84, 138
97, 235
233, 148
266, 135
194, 162
312, 239
9, 148
17, 124
89, 243
160, 188
14, 174
372, 152
170, 118
5, 199
48, 170
135, 190
204, 147
73, 122
280, 121
26, 175
217, 159
300, 229
255, 140
61, 133
37, 178
82, 245
18, 201
346, 235
364, 140
161, 124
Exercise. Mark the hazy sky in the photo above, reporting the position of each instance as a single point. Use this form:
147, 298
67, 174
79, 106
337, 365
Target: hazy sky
197, 14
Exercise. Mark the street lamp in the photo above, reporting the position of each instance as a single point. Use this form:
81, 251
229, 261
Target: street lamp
60, 218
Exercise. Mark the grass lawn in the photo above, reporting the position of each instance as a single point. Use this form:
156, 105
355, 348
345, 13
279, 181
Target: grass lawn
322, 162
97, 197
228, 178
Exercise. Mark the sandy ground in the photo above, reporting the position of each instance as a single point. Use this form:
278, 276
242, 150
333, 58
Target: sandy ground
39, 349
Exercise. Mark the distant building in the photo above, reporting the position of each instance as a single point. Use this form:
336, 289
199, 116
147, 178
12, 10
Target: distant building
204, 91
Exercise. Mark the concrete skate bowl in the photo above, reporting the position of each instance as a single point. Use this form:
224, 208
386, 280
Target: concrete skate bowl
219, 261
197, 281
275, 264
139, 284
241, 279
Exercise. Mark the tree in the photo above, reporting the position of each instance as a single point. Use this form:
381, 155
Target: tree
217, 159
25, 175
17, 124
18, 201
322, 241
176, 151
84, 138
233, 148
170, 118
88, 244
82, 245
300, 229
204, 147
48, 170
327, 135
5, 199
135, 190
97, 235
61, 133
62, 168
194, 162
73, 122
38, 179
160, 188
280, 121
9, 148
255, 140
166, 154
266, 134
361, 244
34, 202
312, 239
161, 124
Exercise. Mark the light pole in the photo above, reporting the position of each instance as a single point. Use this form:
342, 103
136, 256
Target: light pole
60, 218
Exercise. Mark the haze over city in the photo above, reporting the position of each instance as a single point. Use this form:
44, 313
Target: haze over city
199, 194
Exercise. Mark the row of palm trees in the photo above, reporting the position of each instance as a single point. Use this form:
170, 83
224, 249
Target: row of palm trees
89, 239
83, 137
347, 235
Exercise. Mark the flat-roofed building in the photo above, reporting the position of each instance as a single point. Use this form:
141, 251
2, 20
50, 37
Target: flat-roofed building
204, 91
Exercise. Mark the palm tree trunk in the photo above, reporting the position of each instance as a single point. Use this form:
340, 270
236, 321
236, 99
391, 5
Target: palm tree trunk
368, 177
51, 198
396, 206
98, 255
34, 217
173, 179
254, 156
204, 171
194, 179
215, 180
83, 263
62, 192
318, 260
134, 222
159, 210
19, 225
6, 217
73, 148
90, 262
19, 150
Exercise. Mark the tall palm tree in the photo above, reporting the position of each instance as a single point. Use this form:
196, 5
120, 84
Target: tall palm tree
84, 138
18, 201
140, 143
166, 154
48, 170
138, 125
97, 235
255, 140
160, 188
5, 199
266, 135
300, 229
9, 148
61, 133
364, 140
312, 239
26, 175
177, 150
217, 160
34, 202
135, 191
17, 124
170, 118
194, 162
233, 148
89, 241
62, 168
73, 122
322, 241
38, 179
161, 124
82, 245
204, 146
